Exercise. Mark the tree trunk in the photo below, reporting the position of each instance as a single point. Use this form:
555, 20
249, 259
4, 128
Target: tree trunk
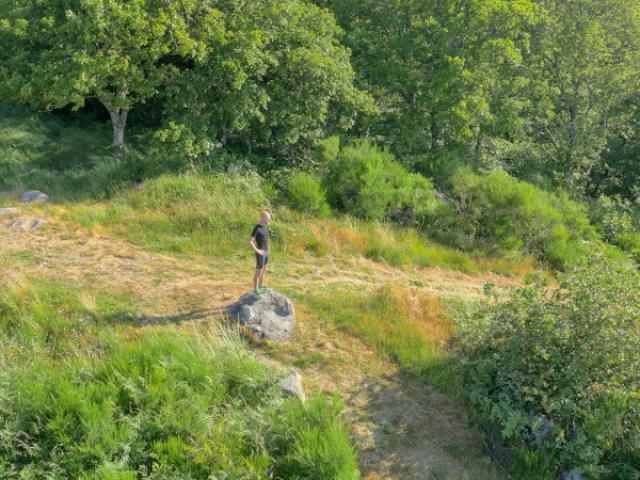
118, 118
119, 122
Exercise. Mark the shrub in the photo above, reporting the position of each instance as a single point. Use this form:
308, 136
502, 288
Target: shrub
498, 213
618, 221
612, 217
305, 193
567, 358
368, 182
630, 243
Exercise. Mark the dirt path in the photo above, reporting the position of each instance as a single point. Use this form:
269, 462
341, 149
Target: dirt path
403, 429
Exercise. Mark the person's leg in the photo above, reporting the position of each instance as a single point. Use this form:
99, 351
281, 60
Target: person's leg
256, 279
263, 270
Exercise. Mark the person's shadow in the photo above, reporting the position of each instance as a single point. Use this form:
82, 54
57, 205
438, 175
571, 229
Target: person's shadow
145, 320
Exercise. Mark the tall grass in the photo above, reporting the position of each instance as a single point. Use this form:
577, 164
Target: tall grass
82, 399
409, 327
213, 215
192, 213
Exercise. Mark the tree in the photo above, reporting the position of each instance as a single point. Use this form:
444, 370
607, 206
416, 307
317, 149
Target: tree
585, 69
443, 71
58, 52
280, 80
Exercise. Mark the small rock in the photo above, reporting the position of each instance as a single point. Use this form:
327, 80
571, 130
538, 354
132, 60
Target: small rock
8, 212
38, 223
291, 386
27, 223
34, 196
573, 475
267, 317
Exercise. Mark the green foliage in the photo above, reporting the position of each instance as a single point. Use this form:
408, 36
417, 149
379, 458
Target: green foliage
445, 73
57, 54
367, 181
618, 222
583, 65
613, 217
265, 72
107, 403
276, 80
305, 193
62, 158
569, 356
498, 213
321, 450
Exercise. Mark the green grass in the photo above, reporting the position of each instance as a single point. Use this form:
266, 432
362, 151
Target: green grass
65, 158
212, 215
409, 328
191, 213
86, 397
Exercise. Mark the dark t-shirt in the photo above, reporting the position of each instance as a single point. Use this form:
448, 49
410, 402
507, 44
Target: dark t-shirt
261, 234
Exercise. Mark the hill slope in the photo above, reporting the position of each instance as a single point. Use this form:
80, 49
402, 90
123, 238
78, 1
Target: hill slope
403, 428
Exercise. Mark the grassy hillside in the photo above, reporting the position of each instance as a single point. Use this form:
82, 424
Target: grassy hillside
136, 264
88, 396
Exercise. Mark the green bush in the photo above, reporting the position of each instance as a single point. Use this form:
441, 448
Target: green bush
618, 222
568, 358
613, 217
305, 193
368, 182
630, 243
499, 214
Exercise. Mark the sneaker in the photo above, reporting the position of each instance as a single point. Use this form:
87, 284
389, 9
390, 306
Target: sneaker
256, 295
263, 289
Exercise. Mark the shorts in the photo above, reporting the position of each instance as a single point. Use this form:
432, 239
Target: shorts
262, 260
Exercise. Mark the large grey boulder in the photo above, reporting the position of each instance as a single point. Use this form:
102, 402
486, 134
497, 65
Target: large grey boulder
267, 317
291, 386
34, 196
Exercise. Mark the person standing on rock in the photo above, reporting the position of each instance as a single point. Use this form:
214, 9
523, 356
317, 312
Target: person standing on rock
259, 242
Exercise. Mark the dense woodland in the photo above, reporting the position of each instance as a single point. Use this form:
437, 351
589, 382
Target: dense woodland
499, 129
546, 90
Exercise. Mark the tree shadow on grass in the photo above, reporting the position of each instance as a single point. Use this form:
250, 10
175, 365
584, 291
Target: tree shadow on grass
407, 429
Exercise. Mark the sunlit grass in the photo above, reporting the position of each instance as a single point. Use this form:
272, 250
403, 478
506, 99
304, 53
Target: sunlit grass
212, 215
87, 395
410, 327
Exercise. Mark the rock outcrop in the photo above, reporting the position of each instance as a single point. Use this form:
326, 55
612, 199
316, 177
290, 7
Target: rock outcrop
34, 196
27, 223
269, 316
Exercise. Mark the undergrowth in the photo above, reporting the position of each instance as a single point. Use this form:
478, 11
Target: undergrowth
213, 215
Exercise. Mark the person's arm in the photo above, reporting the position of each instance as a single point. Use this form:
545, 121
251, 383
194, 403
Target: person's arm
252, 242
